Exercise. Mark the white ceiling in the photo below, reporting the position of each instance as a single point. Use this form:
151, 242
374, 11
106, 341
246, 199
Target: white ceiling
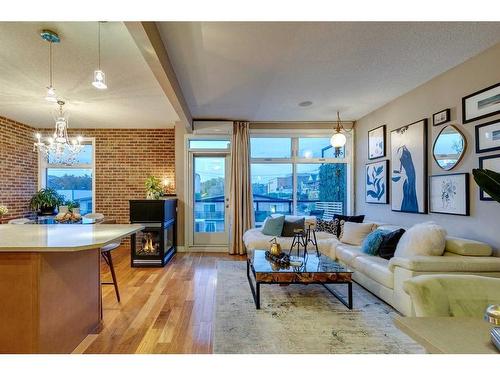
133, 99
260, 71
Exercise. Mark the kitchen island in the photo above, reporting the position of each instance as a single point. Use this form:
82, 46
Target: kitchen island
50, 287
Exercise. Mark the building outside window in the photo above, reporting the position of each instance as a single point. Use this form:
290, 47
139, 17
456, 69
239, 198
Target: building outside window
298, 176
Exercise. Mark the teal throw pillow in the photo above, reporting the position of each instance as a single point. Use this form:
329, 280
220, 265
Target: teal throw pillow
372, 242
273, 226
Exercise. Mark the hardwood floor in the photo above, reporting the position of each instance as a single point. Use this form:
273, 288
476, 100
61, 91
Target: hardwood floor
162, 310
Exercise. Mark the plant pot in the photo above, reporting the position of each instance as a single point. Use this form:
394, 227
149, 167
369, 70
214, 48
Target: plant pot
47, 211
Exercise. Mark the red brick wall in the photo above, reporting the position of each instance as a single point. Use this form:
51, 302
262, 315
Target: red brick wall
124, 159
18, 168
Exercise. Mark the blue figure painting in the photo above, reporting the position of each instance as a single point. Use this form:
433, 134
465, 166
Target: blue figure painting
406, 172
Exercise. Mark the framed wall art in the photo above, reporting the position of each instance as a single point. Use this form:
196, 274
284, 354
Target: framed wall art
409, 168
441, 117
450, 194
376, 143
481, 104
377, 182
491, 162
488, 136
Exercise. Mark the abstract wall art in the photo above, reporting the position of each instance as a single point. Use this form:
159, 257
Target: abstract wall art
376, 143
377, 182
409, 168
450, 194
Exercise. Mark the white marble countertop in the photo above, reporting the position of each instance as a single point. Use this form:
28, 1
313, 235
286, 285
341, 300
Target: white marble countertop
61, 237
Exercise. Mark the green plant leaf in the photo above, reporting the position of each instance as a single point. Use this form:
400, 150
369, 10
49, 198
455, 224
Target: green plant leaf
489, 181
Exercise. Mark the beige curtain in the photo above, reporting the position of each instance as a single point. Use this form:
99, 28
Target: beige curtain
240, 188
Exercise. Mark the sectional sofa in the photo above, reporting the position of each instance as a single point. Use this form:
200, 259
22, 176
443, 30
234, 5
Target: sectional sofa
385, 278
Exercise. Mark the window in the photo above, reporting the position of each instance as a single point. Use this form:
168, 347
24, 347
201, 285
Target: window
298, 175
73, 182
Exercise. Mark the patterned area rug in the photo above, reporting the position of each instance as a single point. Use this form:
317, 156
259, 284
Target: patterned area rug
301, 319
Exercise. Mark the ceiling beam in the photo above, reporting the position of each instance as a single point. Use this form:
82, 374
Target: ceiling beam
147, 38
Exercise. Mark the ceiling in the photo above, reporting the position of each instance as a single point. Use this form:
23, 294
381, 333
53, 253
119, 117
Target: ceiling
133, 99
260, 71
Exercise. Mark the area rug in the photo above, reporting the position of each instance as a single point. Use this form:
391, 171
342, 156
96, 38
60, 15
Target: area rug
301, 319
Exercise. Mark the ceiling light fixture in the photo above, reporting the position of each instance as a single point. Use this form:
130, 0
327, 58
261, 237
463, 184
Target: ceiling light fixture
339, 139
99, 76
59, 146
307, 103
51, 37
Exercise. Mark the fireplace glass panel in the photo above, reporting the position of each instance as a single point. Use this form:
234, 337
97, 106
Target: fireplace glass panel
148, 243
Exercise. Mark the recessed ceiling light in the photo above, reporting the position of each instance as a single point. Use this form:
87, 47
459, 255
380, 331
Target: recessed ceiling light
307, 103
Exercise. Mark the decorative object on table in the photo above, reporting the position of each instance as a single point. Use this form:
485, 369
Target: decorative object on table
487, 177
282, 260
154, 189
449, 194
488, 136
495, 337
311, 238
449, 147
3, 211
68, 217
377, 182
46, 201
275, 247
441, 117
492, 314
409, 168
376, 143
299, 240
481, 104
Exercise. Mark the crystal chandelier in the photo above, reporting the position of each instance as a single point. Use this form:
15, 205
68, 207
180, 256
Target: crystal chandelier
59, 147
50, 37
99, 81
338, 139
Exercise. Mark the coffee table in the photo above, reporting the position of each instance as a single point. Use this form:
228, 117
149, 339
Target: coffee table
316, 270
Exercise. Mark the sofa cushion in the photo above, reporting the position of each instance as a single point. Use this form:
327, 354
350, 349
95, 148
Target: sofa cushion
292, 224
375, 268
462, 246
341, 219
389, 243
372, 242
422, 239
329, 226
273, 226
347, 253
355, 233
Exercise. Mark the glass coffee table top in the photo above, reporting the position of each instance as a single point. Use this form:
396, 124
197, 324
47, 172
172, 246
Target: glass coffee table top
312, 264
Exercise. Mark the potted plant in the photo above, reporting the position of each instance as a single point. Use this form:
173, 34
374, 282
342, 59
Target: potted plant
489, 181
46, 201
154, 189
3, 211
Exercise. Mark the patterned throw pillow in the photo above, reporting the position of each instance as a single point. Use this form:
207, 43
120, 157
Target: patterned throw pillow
329, 226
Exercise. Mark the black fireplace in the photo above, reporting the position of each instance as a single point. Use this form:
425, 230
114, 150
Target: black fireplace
155, 245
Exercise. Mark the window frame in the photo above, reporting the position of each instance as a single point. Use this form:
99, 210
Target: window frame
296, 159
43, 165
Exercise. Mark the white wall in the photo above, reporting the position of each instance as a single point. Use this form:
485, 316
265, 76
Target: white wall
444, 91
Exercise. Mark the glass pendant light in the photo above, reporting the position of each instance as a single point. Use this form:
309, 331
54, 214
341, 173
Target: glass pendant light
50, 37
99, 76
339, 139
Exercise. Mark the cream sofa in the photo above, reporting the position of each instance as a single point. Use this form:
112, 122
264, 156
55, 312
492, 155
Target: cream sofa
385, 278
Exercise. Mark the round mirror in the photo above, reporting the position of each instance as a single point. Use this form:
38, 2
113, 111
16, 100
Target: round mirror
449, 147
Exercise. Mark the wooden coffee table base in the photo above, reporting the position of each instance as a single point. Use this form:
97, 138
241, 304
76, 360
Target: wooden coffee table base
299, 278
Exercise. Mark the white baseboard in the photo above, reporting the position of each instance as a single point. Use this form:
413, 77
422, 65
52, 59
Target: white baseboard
201, 249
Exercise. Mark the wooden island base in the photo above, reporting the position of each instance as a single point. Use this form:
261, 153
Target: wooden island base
50, 301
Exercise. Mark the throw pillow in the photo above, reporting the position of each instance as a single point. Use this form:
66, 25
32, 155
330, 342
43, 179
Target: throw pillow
355, 233
422, 239
389, 242
329, 226
371, 243
291, 224
344, 218
273, 226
